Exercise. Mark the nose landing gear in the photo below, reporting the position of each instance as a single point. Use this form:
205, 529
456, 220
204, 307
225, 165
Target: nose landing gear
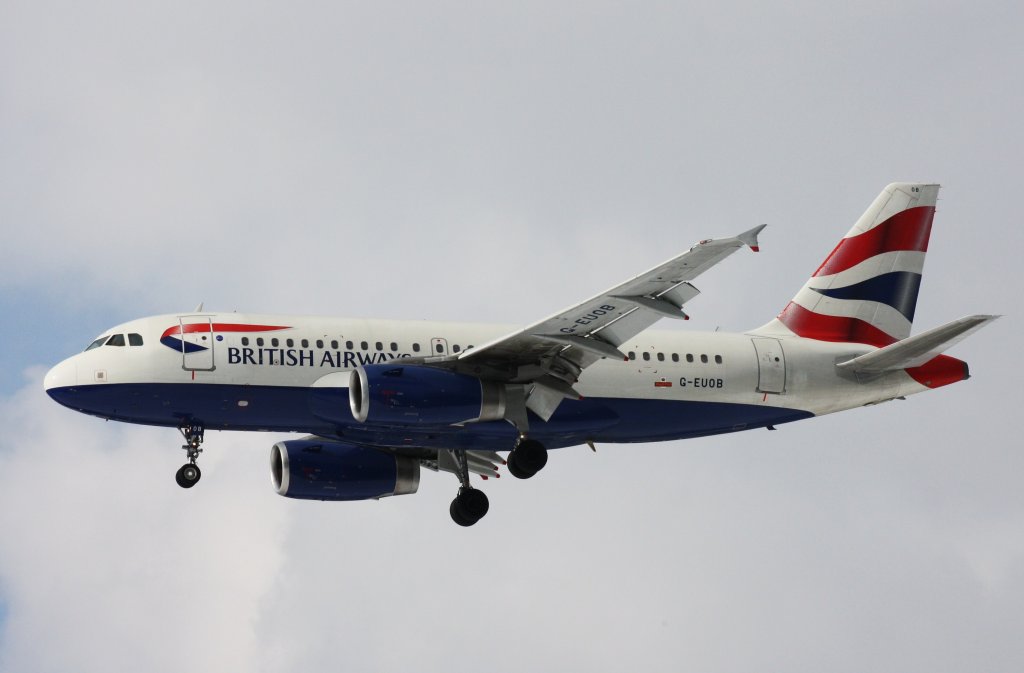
188, 474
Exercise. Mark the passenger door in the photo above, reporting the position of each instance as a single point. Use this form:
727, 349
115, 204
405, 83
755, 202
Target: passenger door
771, 366
197, 349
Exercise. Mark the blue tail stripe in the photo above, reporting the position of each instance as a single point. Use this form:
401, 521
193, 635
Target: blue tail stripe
897, 289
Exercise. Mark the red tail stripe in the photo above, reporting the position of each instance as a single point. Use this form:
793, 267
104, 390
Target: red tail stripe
906, 230
832, 328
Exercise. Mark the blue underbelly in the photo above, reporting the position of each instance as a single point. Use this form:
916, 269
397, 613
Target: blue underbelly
325, 411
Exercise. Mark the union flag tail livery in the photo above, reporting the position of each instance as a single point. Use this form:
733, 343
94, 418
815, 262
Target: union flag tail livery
382, 399
866, 289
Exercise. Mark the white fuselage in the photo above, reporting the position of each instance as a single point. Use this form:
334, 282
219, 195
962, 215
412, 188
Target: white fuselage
251, 360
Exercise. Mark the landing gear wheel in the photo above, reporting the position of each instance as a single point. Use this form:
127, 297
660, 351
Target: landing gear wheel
187, 475
457, 515
473, 503
469, 506
515, 470
527, 459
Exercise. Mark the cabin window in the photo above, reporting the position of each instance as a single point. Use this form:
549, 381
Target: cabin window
718, 359
319, 343
689, 357
305, 343
675, 357
97, 343
275, 342
334, 344
456, 348
379, 346
116, 340
439, 348
647, 356
363, 345
245, 341
394, 346
415, 348
259, 341
134, 339
632, 355
290, 343
661, 357
704, 359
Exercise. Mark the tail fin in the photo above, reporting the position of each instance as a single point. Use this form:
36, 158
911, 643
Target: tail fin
866, 289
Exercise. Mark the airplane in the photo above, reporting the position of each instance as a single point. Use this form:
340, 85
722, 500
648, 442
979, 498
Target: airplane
379, 400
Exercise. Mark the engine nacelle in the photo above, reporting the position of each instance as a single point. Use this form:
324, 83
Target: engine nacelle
320, 469
416, 395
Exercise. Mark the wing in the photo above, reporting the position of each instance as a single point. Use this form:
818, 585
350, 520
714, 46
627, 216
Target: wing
549, 355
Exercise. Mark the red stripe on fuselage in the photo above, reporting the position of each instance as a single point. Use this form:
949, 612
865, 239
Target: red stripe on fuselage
906, 230
192, 328
812, 325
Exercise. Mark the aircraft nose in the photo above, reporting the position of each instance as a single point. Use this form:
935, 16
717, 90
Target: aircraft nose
63, 375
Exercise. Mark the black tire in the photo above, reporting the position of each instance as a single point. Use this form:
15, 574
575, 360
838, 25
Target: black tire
531, 456
472, 503
187, 475
457, 514
515, 469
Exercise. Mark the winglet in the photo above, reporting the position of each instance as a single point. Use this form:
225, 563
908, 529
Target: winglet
749, 237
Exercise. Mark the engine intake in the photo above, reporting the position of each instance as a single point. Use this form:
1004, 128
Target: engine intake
418, 395
320, 469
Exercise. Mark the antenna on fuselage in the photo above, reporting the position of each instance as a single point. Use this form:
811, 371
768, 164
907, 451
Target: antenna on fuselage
199, 309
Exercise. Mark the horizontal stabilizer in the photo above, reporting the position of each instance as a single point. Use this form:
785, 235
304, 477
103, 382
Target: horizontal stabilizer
749, 237
916, 350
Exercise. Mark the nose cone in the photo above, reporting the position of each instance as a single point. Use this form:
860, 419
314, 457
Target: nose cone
60, 378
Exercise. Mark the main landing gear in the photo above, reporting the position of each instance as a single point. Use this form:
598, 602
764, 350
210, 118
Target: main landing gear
527, 459
470, 505
189, 473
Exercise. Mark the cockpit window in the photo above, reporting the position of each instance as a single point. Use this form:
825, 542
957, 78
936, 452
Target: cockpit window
116, 340
134, 339
97, 343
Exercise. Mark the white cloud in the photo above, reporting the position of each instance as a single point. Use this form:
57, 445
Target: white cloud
106, 562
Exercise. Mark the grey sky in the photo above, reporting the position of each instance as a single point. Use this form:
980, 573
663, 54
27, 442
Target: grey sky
494, 162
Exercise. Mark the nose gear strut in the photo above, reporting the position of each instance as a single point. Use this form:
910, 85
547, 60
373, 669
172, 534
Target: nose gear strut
189, 473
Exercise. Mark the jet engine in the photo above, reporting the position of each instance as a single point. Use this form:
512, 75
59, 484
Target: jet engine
418, 395
321, 469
